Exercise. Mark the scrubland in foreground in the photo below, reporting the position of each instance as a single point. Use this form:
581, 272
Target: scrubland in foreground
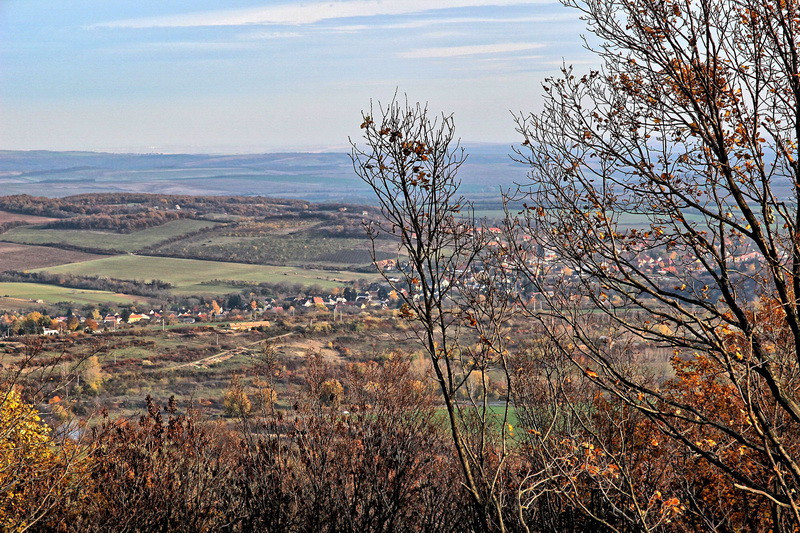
365, 447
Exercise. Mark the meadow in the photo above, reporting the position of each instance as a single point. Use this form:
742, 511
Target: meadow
121, 242
28, 293
192, 276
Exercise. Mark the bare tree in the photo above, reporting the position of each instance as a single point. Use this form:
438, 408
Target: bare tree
410, 161
666, 184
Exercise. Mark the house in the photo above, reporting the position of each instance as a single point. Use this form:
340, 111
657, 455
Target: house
136, 317
49, 332
314, 301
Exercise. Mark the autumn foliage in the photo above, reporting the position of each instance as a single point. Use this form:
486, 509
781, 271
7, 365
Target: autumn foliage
617, 398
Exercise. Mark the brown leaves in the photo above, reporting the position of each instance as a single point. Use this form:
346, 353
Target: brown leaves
407, 313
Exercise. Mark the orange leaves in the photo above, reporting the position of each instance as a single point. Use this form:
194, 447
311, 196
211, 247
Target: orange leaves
672, 508
706, 443
701, 83
470, 320
406, 312
612, 471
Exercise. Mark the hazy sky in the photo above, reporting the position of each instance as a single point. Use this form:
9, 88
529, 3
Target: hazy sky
257, 76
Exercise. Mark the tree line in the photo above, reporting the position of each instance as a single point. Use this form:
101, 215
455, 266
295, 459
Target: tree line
126, 223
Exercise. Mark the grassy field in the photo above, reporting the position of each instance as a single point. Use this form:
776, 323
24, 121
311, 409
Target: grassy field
51, 294
124, 242
188, 275
495, 411
494, 215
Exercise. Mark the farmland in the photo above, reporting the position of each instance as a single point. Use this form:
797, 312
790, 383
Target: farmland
6, 216
305, 247
192, 276
103, 240
28, 293
24, 257
197, 246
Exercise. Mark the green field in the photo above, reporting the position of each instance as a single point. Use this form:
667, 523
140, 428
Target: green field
495, 413
124, 242
188, 275
51, 294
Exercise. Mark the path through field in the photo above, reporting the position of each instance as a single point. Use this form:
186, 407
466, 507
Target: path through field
224, 355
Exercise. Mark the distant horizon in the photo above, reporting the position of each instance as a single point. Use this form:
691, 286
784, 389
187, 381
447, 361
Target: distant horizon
267, 151
312, 176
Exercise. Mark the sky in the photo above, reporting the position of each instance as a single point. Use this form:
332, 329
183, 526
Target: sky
258, 76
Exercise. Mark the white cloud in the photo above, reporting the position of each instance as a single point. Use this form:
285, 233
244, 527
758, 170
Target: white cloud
458, 51
305, 13
201, 45
516, 59
269, 35
569, 16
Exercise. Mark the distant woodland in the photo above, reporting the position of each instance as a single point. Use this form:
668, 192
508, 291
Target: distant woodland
127, 212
